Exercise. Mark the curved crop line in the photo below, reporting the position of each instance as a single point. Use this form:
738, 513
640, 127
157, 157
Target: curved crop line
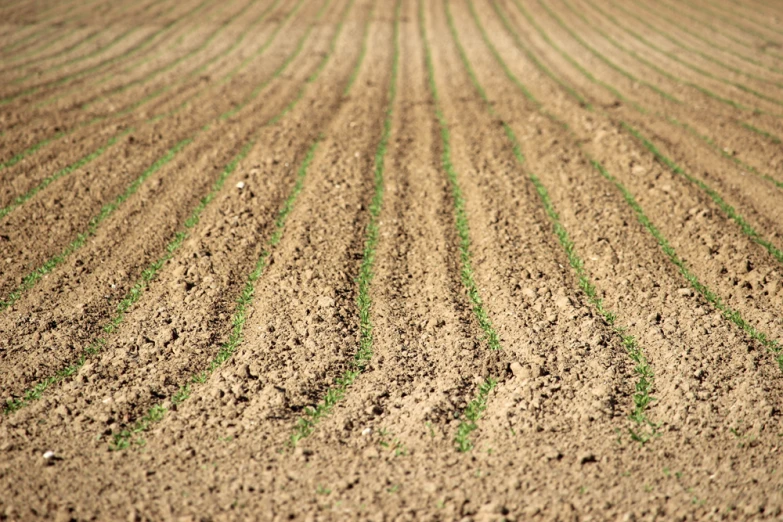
173, 64
24, 39
138, 47
545, 69
151, 272
718, 31
130, 108
87, 56
660, 70
732, 315
706, 139
19, 200
710, 43
479, 403
604, 59
699, 70
73, 46
645, 377
306, 424
124, 438
734, 13
31, 279
67, 50
78, 59
727, 209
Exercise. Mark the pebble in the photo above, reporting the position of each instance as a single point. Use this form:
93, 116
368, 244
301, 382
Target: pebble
49, 454
241, 185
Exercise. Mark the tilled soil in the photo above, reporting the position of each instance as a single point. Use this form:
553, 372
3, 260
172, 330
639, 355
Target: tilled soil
405, 260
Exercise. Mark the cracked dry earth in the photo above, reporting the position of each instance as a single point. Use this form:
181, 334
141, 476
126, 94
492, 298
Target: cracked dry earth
471, 260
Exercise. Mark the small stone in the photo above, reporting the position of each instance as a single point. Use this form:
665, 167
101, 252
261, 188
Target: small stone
241, 185
366, 431
48, 455
516, 369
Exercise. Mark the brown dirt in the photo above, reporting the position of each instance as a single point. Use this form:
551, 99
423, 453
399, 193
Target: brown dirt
554, 442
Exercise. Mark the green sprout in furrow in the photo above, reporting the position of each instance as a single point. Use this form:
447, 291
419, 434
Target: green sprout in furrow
717, 149
603, 58
771, 137
237, 41
32, 35
76, 45
306, 425
134, 294
299, 46
732, 315
31, 279
233, 72
35, 147
714, 30
475, 407
80, 43
754, 32
710, 43
182, 79
139, 47
645, 377
152, 270
706, 139
533, 58
176, 62
727, 209
43, 20
47, 45
689, 65
124, 438
362, 53
107, 210
78, 59
19, 200
660, 70
543, 68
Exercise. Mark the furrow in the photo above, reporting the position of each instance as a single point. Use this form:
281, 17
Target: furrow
17, 200
32, 278
711, 296
307, 424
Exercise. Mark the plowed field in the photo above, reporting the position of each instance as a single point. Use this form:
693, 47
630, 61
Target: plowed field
391, 260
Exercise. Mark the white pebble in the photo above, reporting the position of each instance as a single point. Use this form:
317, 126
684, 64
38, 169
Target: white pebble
366, 431
241, 185
49, 454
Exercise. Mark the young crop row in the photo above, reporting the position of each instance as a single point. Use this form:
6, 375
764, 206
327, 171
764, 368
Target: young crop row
76, 45
715, 147
32, 278
21, 199
124, 438
644, 428
306, 425
151, 272
130, 108
733, 315
728, 210
151, 41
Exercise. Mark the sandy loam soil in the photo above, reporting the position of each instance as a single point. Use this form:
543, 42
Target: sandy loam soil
259, 257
